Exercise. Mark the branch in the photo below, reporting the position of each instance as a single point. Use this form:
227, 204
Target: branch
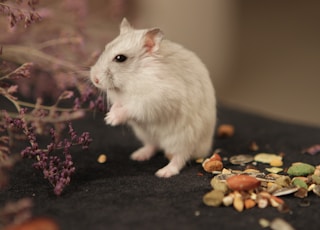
22, 54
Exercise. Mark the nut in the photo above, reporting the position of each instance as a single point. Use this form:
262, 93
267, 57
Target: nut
242, 182
212, 165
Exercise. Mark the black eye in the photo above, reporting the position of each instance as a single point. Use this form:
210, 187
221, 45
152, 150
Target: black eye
120, 58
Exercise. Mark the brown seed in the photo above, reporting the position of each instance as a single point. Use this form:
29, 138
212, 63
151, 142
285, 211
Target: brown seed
249, 203
242, 183
216, 156
225, 130
301, 193
212, 165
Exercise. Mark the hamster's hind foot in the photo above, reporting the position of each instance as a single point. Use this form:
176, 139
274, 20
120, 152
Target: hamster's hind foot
173, 168
144, 153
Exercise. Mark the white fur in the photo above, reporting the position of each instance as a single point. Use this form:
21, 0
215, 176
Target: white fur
165, 94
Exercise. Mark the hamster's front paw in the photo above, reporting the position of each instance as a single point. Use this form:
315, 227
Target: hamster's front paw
116, 116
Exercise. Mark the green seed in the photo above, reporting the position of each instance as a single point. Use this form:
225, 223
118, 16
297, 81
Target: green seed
300, 169
299, 183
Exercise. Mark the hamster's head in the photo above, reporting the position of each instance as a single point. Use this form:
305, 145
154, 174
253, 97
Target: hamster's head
123, 62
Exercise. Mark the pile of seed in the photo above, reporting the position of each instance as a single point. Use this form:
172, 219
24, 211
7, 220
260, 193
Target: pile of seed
253, 188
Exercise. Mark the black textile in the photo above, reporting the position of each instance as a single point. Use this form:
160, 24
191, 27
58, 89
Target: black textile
123, 194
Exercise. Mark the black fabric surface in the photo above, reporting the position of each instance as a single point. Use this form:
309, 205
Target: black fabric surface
123, 194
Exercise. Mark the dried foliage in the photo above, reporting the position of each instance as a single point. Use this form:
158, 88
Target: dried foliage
44, 85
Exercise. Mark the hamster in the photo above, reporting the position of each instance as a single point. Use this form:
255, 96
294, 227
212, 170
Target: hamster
160, 89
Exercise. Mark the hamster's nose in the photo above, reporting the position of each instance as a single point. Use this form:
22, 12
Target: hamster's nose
96, 80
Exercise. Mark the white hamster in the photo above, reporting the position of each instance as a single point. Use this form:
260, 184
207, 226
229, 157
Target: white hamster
163, 91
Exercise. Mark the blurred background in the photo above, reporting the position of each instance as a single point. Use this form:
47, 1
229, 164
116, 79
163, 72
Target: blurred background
263, 56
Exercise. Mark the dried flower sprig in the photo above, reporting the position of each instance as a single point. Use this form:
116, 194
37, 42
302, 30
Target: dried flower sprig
15, 212
20, 11
56, 169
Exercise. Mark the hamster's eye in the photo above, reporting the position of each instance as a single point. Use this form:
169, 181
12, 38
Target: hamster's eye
120, 58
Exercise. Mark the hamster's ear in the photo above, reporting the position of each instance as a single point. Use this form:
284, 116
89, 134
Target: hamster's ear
125, 26
153, 38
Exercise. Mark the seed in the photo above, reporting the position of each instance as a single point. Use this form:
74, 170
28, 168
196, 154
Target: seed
274, 170
272, 187
102, 158
218, 185
275, 201
315, 179
225, 130
215, 156
240, 159
228, 200
301, 193
262, 202
285, 191
249, 203
276, 162
264, 223
212, 165
267, 157
299, 183
242, 182
300, 169
316, 190
213, 198
238, 203
283, 181
280, 224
